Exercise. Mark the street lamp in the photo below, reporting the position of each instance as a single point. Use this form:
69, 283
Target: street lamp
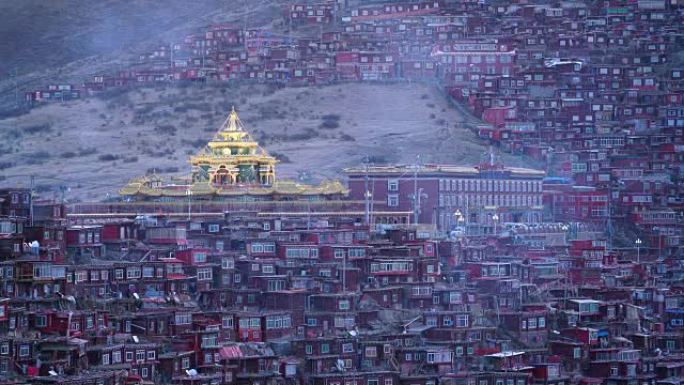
495, 218
638, 246
188, 193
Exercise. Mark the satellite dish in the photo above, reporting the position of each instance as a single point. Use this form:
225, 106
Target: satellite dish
340, 365
136, 296
136, 339
353, 333
71, 299
191, 372
52, 373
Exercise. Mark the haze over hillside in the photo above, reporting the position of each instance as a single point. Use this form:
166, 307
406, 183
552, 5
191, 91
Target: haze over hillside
68, 40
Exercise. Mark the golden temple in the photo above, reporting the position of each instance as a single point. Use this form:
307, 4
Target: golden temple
232, 164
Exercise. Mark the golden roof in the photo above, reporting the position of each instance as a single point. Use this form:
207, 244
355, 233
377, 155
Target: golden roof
140, 186
232, 134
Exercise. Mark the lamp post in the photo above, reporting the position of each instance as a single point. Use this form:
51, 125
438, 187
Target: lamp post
459, 216
495, 218
189, 195
565, 228
638, 246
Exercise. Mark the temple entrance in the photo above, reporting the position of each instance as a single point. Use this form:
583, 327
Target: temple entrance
222, 177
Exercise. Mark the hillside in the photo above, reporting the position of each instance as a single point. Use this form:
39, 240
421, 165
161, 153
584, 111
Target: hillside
70, 40
94, 146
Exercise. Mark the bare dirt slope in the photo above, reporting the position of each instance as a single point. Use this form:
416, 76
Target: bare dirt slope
94, 146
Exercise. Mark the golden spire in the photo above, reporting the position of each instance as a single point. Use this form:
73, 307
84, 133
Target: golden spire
233, 121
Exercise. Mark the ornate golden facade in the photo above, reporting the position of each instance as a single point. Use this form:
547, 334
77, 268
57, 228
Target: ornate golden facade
233, 158
232, 165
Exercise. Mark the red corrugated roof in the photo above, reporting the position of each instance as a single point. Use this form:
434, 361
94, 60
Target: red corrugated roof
231, 352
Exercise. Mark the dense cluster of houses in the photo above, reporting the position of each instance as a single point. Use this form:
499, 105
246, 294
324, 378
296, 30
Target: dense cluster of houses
594, 89
486, 275
111, 297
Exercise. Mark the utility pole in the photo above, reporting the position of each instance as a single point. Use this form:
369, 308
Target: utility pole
33, 180
189, 194
366, 195
416, 208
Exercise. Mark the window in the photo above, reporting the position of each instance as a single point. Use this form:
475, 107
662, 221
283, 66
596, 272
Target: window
183, 318
118, 273
213, 228
148, 272
577, 352
4, 348
105, 359
309, 349
344, 304
462, 320
151, 355
133, 272
347, 347
143, 372
227, 263
392, 200
81, 276
276, 285
140, 355
670, 345
24, 350
392, 185
204, 274
129, 356
185, 363
200, 257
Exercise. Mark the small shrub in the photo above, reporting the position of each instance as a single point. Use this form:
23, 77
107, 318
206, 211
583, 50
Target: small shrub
165, 129
38, 157
130, 159
377, 159
4, 165
38, 128
281, 157
68, 155
87, 151
329, 124
347, 138
330, 121
194, 143
306, 135
107, 157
